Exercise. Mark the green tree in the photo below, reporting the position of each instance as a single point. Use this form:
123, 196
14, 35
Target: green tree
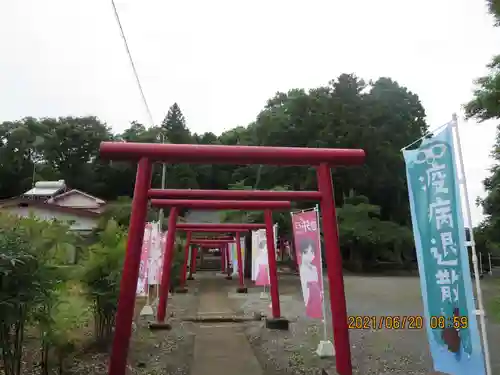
71, 145
486, 102
494, 8
179, 176
485, 105
31, 253
20, 280
367, 239
175, 127
18, 155
380, 117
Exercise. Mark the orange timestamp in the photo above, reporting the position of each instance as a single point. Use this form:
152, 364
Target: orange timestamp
386, 322
443, 322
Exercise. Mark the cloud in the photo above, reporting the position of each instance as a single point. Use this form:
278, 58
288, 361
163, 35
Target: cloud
221, 60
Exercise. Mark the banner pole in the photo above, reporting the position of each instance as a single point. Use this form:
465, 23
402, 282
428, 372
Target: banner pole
323, 305
473, 246
489, 264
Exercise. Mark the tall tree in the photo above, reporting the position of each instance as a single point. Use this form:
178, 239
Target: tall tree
380, 117
494, 8
179, 176
174, 125
485, 105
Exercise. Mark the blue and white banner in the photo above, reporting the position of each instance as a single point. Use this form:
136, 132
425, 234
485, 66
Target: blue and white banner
443, 261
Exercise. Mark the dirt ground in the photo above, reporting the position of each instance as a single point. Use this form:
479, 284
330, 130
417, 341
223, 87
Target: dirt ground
151, 352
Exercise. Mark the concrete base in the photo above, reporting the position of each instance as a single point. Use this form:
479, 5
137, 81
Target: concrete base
264, 295
257, 315
228, 277
281, 324
242, 289
147, 310
325, 349
181, 290
190, 277
159, 326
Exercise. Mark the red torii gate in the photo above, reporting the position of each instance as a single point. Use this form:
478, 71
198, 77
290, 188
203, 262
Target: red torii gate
237, 228
147, 153
267, 206
223, 245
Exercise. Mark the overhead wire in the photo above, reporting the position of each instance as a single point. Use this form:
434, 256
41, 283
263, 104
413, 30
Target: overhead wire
117, 17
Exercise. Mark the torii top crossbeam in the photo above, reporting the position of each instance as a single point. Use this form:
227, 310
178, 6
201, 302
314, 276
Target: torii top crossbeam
227, 227
219, 154
217, 241
219, 230
212, 238
235, 194
221, 205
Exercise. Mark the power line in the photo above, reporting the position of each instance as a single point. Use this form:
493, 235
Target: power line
132, 64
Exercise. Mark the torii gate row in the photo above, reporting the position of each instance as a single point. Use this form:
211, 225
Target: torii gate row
220, 228
236, 228
225, 261
147, 153
222, 244
225, 228
278, 321
192, 268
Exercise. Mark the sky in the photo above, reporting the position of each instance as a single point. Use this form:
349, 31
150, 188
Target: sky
221, 59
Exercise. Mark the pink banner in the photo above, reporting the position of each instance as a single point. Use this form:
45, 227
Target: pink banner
308, 252
142, 281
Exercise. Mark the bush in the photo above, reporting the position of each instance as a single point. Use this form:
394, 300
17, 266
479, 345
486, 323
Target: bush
20, 288
100, 277
177, 263
69, 316
60, 320
29, 252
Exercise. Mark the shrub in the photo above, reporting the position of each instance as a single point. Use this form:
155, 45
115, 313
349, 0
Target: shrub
69, 315
100, 277
177, 263
27, 280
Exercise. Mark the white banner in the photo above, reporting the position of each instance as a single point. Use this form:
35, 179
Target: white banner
142, 280
260, 261
155, 254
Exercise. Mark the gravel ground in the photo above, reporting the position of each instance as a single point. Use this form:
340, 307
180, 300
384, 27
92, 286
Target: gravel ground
379, 352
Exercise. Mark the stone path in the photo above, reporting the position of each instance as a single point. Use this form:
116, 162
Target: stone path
220, 347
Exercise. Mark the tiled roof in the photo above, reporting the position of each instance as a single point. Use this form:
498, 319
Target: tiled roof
46, 188
23, 202
76, 191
